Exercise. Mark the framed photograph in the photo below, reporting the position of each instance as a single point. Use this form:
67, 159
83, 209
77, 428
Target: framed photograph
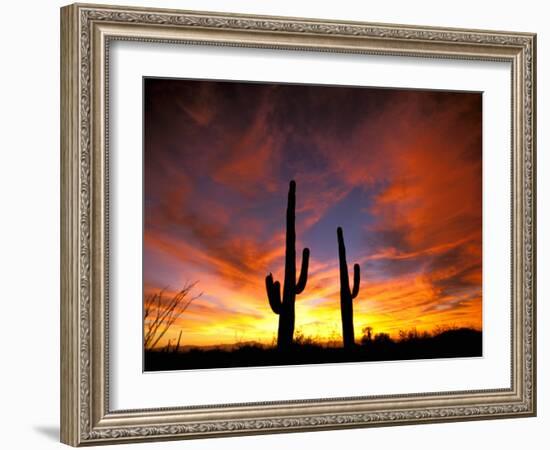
275, 224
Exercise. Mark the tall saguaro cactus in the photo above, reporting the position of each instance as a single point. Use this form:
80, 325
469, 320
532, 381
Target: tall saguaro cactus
285, 307
347, 294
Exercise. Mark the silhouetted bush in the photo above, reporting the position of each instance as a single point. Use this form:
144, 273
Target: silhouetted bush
448, 343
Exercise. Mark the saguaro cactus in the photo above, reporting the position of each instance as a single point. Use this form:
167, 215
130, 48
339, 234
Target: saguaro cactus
285, 307
347, 294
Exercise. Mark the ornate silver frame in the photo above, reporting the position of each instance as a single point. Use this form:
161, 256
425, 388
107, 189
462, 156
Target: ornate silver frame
86, 31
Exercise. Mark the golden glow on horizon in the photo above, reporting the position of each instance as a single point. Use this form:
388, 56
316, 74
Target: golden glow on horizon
382, 306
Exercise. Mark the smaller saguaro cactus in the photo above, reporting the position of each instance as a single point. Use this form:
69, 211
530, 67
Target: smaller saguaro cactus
347, 294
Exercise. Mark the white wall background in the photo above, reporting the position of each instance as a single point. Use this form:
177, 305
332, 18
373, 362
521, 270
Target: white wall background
29, 229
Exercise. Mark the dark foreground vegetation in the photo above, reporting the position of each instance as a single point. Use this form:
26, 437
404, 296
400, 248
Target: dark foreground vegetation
450, 343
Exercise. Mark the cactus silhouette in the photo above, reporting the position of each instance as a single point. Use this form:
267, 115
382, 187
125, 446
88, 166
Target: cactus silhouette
347, 294
285, 307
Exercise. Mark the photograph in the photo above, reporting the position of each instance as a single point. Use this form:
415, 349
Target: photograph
290, 224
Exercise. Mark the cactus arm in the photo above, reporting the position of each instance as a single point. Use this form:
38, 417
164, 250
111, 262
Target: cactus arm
356, 280
302, 281
273, 293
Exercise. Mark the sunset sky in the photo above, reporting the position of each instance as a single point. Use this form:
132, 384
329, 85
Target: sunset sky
399, 170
